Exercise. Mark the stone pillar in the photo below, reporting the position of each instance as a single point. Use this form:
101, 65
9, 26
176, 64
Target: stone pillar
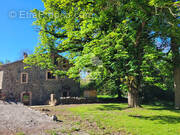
53, 100
52, 97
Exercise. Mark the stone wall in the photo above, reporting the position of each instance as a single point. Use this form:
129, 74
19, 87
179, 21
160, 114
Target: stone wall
37, 84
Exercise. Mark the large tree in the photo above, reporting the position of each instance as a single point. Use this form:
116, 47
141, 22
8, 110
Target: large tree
118, 33
168, 18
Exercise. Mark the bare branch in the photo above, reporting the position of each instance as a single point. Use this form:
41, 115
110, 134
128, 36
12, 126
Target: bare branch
172, 12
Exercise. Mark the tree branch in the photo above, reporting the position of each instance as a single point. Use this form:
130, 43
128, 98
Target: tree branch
139, 33
55, 34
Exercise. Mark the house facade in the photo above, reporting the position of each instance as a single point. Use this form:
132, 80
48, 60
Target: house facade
33, 86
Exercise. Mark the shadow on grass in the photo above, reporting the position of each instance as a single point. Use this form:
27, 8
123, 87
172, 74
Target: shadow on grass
163, 105
110, 108
168, 119
167, 108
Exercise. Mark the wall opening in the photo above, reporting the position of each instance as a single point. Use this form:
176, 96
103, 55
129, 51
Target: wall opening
26, 98
24, 77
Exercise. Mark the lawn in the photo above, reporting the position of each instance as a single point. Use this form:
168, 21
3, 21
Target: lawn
106, 96
118, 118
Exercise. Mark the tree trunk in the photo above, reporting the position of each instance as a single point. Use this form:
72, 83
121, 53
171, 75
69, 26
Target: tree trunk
133, 93
118, 82
176, 64
133, 98
177, 87
119, 94
134, 83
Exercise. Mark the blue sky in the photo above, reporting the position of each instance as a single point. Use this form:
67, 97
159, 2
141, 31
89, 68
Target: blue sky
17, 33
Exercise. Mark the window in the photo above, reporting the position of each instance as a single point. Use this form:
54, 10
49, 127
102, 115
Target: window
24, 77
50, 76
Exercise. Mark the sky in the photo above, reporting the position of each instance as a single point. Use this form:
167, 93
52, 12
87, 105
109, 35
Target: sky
17, 34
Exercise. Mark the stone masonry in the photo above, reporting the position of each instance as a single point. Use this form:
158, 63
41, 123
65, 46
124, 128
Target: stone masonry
36, 88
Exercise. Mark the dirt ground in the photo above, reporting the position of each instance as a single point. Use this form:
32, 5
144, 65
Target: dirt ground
73, 124
17, 119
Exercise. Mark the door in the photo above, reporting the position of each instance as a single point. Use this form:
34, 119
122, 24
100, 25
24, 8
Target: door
26, 98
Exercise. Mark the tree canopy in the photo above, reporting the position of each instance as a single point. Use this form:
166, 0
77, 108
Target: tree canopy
122, 35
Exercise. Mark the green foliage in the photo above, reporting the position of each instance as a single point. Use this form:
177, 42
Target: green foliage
106, 96
52, 132
20, 133
121, 34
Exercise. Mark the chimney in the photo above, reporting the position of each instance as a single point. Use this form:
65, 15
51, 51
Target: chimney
25, 55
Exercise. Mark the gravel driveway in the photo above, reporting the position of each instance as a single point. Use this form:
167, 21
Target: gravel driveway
15, 118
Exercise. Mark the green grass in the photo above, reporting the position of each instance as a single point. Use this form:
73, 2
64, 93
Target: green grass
149, 120
20, 133
106, 96
52, 132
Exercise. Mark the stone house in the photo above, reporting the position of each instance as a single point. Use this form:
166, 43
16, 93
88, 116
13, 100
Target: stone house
33, 86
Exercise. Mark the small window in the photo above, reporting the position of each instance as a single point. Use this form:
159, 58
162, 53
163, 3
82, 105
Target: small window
50, 76
24, 77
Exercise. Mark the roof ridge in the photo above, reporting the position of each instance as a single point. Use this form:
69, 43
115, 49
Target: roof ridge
11, 63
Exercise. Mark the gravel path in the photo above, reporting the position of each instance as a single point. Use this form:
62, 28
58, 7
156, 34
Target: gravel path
17, 117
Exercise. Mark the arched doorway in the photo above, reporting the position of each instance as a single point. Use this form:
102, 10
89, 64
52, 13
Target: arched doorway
26, 98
